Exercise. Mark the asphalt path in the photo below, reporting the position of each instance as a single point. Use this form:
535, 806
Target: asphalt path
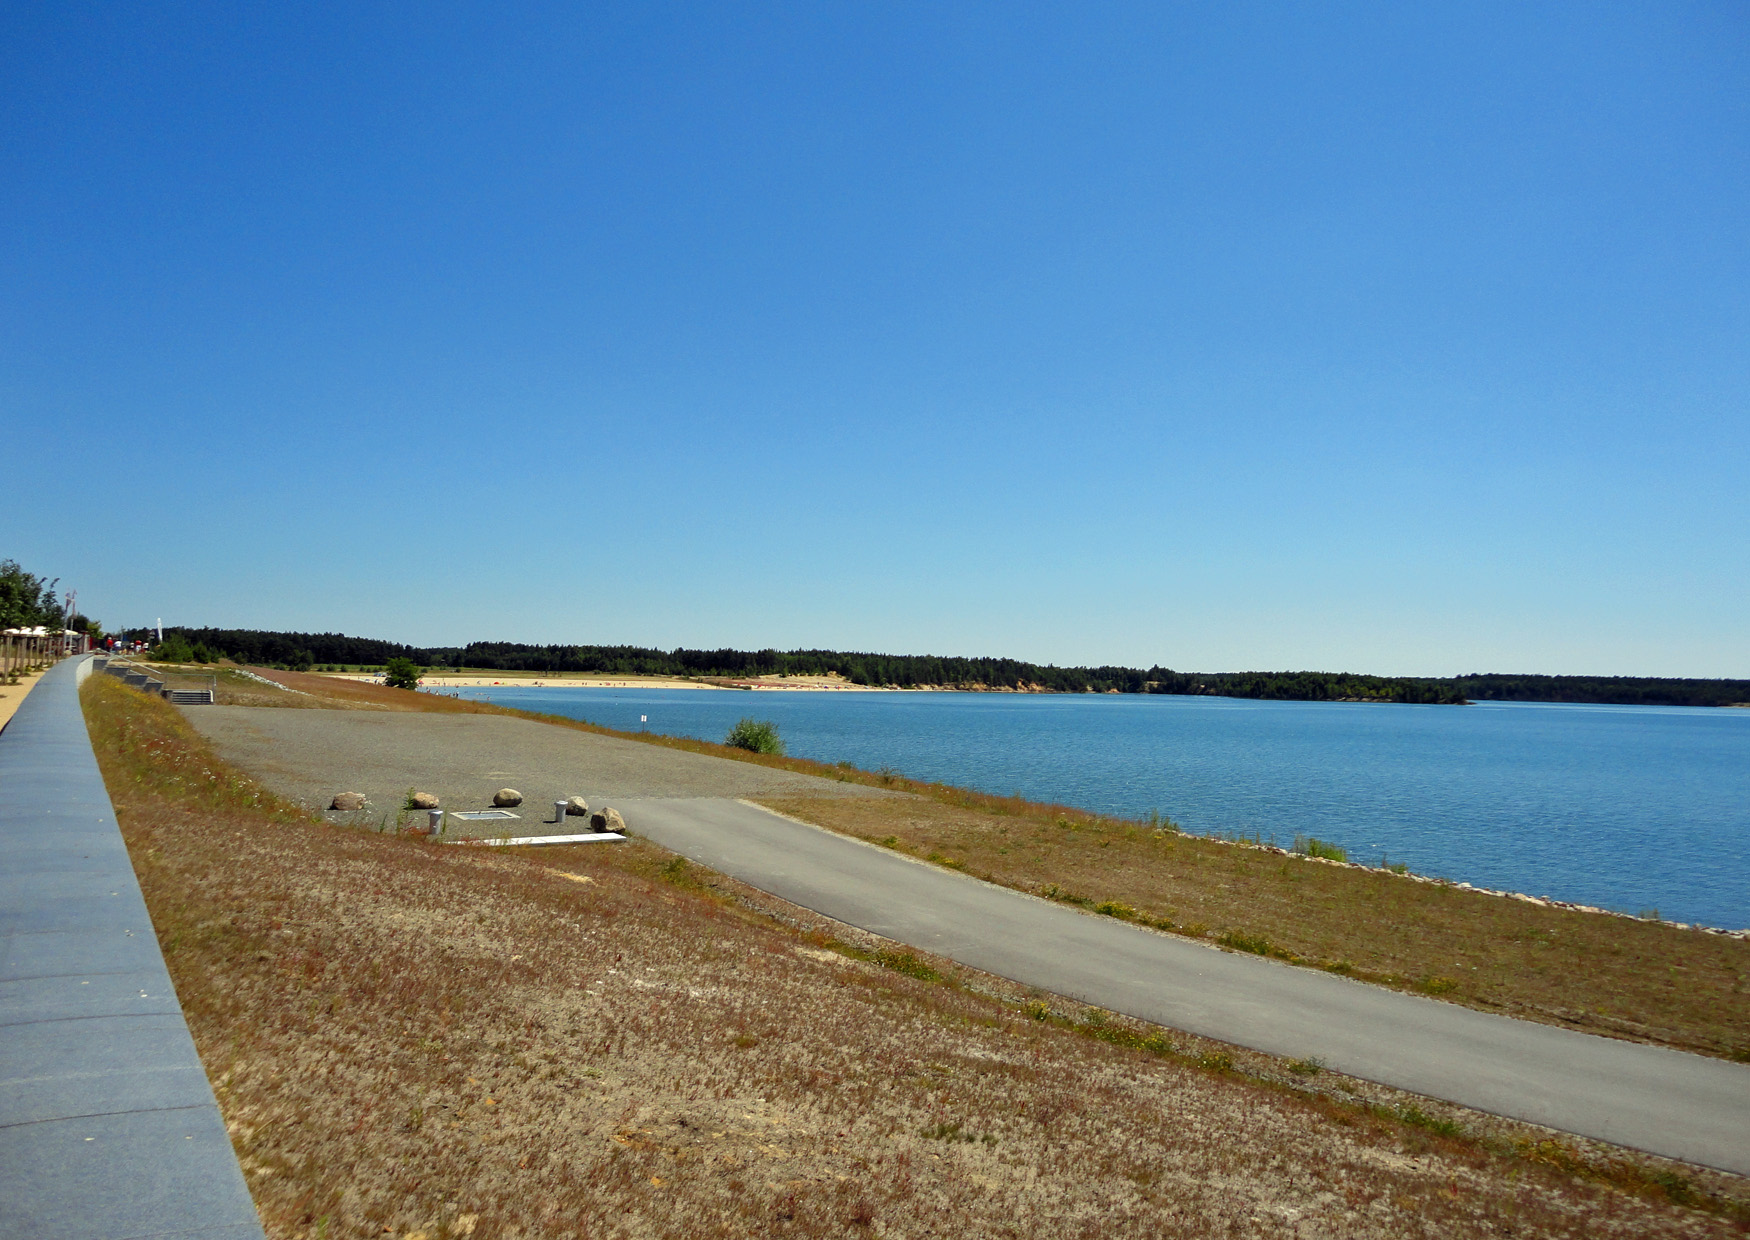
1662, 1101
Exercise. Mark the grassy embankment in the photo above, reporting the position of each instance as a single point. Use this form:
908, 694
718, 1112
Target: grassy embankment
1639, 979
408, 1039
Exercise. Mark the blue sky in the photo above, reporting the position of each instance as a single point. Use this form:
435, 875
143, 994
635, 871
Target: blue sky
1382, 338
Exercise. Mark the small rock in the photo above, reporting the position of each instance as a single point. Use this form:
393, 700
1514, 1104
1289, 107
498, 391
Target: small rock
348, 801
576, 807
422, 800
607, 819
504, 798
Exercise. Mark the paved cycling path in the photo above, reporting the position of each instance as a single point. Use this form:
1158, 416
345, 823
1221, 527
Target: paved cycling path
1646, 1097
1663, 1101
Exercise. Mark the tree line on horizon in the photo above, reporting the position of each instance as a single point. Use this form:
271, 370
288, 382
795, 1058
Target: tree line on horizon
301, 651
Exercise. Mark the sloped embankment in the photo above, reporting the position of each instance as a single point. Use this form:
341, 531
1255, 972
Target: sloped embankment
417, 1040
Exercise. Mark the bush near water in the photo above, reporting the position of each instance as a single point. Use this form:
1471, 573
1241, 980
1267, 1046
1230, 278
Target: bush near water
401, 673
757, 736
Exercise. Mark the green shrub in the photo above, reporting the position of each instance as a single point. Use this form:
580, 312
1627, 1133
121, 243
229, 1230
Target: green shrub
173, 649
401, 673
755, 736
1241, 941
1315, 847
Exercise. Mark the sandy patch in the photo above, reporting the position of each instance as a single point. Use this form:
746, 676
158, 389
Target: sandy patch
11, 696
809, 684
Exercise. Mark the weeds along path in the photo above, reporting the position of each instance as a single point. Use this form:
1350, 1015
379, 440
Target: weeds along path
409, 1039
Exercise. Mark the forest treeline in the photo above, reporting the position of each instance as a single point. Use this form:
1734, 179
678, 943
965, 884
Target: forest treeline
305, 650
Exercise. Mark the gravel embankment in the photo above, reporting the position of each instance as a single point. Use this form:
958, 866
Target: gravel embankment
309, 755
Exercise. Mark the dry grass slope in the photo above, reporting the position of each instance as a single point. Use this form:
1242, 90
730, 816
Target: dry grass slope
413, 1040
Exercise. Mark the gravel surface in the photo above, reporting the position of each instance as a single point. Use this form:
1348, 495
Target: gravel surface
309, 755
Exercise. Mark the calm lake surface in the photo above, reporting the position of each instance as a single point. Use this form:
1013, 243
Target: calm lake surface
1626, 807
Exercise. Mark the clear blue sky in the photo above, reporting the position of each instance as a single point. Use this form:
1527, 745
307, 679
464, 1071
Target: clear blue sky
1390, 338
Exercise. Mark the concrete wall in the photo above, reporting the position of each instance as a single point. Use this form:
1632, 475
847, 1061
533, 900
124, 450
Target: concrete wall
108, 1127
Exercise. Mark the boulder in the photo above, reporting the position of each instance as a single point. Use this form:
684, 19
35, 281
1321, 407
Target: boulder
422, 800
576, 807
504, 798
607, 819
348, 801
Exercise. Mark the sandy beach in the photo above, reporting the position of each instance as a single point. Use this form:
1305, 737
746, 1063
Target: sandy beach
811, 684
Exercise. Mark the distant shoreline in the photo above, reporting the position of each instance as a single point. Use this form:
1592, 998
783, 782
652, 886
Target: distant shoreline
790, 685
829, 684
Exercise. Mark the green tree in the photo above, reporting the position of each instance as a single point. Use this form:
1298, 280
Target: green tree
27, 600
173, 649
402, 673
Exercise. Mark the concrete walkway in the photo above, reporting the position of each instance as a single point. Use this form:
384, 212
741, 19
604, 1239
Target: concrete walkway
108, 1127
1662, 1101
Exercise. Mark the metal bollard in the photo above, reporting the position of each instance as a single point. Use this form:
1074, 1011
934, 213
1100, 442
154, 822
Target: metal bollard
435, 820
559, 811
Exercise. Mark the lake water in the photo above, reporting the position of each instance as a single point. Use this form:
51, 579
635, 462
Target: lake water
1626, 807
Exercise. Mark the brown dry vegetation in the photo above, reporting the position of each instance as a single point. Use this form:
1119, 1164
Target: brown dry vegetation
414, 1040
1630, 978
1642, 980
